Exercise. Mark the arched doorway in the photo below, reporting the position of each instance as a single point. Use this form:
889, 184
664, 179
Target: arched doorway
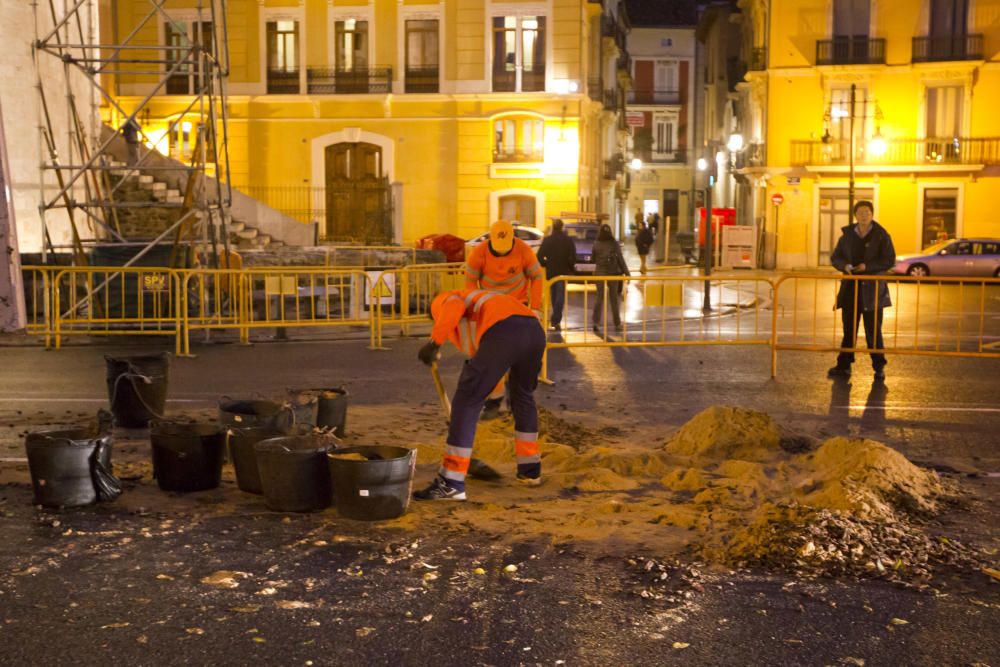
358, 197
518, 208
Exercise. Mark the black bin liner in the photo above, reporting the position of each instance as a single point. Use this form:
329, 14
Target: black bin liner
72, 467
378, 487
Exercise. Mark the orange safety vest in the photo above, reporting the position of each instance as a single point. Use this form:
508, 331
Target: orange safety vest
463, 316
517, 273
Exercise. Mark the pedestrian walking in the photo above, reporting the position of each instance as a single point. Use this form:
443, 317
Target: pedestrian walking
865, 248
608, 261
130, 131
505, 264
654, 225
503, 336
643, 242
558, 255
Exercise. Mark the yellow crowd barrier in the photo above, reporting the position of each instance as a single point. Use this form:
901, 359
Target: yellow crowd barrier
659, 310
405, 294
38, 299
928, 316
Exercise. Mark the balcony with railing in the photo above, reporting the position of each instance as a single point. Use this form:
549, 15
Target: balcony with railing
752, 155
948, 47
855, 50
613, 166
282, 82
646, 96
335, 81
900, 152
654, 156
421, 79
510, 154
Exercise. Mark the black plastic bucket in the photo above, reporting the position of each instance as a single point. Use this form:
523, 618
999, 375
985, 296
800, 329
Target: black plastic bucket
304, 403
186, 456
331, 410
137, 388
243, 456
255, 413
70, 468
293, 472
378, 487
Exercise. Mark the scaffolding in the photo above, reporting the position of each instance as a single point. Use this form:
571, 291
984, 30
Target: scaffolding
88, 181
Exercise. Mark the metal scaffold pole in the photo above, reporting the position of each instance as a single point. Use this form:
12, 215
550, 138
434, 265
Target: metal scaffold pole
91, 163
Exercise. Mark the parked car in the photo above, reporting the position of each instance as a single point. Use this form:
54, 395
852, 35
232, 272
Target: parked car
955, 257
530, 235
583, 231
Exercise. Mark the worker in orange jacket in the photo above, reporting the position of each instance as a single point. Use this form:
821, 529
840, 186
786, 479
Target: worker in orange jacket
501, 335
504, 263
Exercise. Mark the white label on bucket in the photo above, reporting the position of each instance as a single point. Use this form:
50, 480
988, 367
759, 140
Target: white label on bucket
237, 418
363, 492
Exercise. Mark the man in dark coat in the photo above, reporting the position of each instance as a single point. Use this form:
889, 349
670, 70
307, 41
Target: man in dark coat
865, 248
643, 242
558, 255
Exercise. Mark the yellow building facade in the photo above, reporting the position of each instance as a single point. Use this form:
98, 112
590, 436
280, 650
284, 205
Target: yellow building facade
925, 77
408, 118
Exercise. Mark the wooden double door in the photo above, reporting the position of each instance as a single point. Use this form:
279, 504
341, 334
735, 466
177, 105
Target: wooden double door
358, 195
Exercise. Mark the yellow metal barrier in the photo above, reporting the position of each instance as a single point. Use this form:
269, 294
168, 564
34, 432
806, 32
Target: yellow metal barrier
107, 300
38, 299
405, 294
928, 316
278, 297
660, 311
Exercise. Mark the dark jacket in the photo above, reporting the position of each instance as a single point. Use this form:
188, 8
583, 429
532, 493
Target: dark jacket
557, 254
608, 260
878, 256
644, 241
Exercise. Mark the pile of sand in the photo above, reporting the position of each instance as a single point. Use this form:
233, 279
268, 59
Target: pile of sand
729, 486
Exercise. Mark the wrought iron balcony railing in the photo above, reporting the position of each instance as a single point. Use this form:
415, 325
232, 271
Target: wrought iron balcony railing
655, 156
421, 79
613, 166
908, 152
752, 155
282, 82
335, 81
949, 47
527, 154
850, 51
639, 96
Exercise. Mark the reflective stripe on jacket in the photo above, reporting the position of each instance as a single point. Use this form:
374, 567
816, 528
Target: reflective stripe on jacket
463, 316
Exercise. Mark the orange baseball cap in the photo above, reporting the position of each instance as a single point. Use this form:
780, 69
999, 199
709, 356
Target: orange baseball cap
502, 236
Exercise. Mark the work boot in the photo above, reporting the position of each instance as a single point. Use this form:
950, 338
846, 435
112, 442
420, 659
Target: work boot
839, 372
529, 481
439, 490
478, 469
491, 409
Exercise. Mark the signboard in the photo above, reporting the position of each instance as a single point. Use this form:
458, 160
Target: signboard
154, 282
738, 246
635, 119
383, 290
793, 180
777, 199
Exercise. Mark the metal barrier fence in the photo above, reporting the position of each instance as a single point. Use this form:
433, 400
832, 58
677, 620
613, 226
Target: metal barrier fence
659, 311
38, 298
115, 301
928, 316
405, 294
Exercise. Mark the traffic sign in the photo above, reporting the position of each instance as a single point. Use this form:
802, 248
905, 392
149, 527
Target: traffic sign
635, 119
777, 199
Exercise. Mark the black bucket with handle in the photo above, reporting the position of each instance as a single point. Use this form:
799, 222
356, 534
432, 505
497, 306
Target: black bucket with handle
331, 410
187, 456
137, 388
372, 482
255, 413
71, 467
243, 456
294, 474
304, 404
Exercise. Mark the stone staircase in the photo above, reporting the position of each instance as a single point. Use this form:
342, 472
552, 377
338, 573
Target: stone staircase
147, 207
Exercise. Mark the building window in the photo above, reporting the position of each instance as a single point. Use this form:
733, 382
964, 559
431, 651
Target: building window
940, 215
518, 209
943, 123
351, 52
664, 136
518, 139
518, 53
283, 56
422, 56
180, 35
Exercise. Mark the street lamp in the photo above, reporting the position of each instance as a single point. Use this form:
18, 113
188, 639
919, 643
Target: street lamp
635, 164
876, 147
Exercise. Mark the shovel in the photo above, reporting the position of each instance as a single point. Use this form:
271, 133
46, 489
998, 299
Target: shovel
477, 468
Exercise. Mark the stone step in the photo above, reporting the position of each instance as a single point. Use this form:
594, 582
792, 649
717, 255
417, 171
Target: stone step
236, 227
173, 192
248, 233
173, 199
262, 240
145, 178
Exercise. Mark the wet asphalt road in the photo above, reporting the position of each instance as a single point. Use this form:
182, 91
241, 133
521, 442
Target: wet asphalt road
67, 589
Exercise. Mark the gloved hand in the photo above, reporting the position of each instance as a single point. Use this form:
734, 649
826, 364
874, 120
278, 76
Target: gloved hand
429, 353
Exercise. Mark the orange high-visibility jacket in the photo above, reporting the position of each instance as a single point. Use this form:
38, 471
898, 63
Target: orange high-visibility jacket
515, 273
463, 316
